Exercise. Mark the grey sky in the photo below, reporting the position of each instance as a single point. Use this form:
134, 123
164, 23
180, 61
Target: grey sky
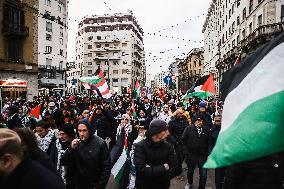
153, 16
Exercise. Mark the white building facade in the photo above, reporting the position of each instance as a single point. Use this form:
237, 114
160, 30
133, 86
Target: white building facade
238, 27
52, 40
115, 43
159, 79
148, 80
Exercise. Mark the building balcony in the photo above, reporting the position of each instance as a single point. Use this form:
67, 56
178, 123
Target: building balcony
249, 44
47, 67
107, 58
138, 47
12, 29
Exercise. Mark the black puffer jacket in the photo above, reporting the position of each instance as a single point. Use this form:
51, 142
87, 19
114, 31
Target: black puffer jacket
154, 155
176, 128
90, 163
197, 146
263, 173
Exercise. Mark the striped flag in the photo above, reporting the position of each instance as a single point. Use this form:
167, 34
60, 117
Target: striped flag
35, 113
100, 83
119, 167
252, 122
203, 88
136, 90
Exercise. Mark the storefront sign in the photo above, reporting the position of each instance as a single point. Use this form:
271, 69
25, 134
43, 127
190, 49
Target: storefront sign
13, 83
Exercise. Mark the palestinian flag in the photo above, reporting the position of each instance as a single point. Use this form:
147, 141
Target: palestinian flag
100, 83
136, 90
252, 123
35, 113
118, 169
203, 88
134, 113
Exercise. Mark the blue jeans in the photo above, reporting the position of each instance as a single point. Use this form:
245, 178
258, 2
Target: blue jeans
202, 176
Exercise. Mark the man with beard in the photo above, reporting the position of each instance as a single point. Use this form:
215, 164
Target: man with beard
88, 158
196, 139
66, 134
155, 159
17, 171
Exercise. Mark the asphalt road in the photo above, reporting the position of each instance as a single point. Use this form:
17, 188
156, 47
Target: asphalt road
178, 184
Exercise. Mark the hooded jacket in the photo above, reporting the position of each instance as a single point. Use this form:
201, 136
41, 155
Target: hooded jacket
89, 162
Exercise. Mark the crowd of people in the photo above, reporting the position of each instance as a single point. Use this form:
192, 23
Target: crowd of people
78, 139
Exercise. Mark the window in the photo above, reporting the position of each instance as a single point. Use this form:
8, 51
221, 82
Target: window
115, 80
243, 33
124, 62
60, 65
48, 26
89, 63
99, 37
90, 46
124, 80
124, 71
89, 72
250, 28
244, 13
115, 71
124, 44
107, 45
98, 46
230, 13
48, 49
61, 52
48, 61
47, 3
238, 39
233, 27
89, 54
61, 32
115, 54
61, 41
233, 43
238, 3
48, 37
282, 13
259, 20
250, 6
115, 63
238, 20
59, 8
233, 9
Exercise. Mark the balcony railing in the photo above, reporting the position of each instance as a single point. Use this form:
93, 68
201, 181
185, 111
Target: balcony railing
47, 67
259, 36
12, 29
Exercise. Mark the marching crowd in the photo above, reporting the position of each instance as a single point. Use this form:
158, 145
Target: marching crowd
78, 140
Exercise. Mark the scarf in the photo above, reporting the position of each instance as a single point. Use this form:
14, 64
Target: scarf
60, 169
44, 142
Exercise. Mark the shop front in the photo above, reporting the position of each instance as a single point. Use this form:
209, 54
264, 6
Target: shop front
13, 88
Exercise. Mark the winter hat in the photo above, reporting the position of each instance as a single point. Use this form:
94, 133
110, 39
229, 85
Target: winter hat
156, 126
88, 124
68, 129
198, 115
10, 141
202, 104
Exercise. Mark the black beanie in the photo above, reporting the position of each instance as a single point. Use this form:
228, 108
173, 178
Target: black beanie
198, 115
68, 129
156, 126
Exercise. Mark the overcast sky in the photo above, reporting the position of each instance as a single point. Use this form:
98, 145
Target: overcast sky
177, 20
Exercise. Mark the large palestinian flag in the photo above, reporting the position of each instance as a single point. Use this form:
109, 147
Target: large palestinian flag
203, 88
100, 83
253, 115
118, 170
